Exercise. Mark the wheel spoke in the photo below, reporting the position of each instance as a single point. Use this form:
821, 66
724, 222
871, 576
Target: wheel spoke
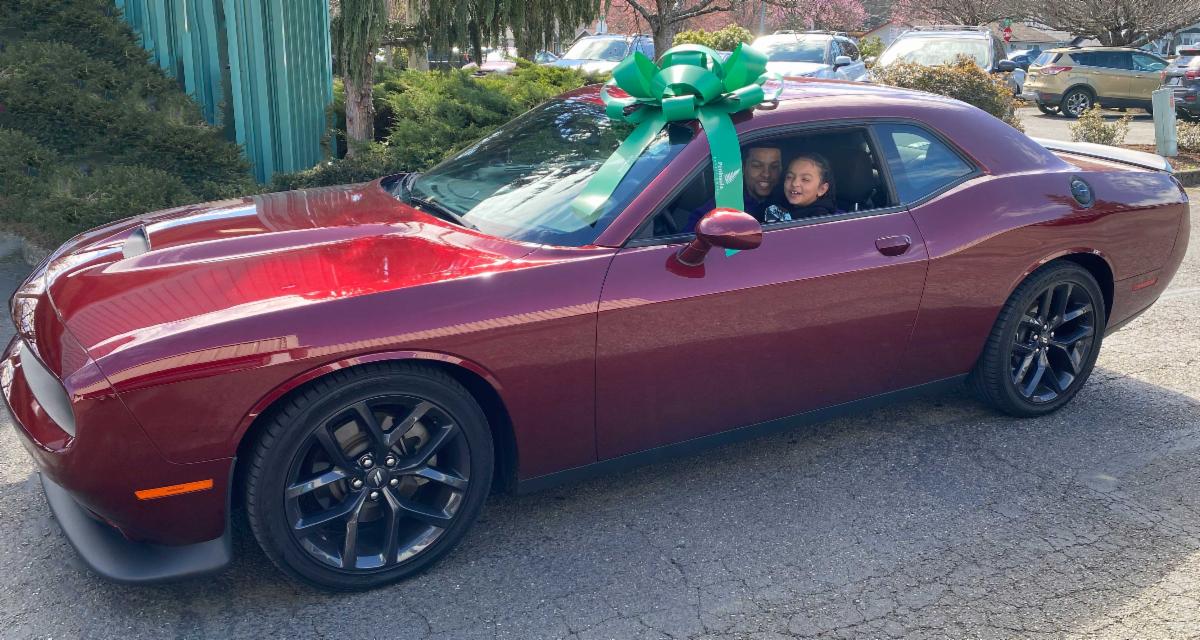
350, 544
432, 516
1023, 349
391, 534
314, 483
1076, 313
1076, 336
1073, 358
1061, 298
406, 425
1031, 320
331, 447
348, 506
452, 480
366, 419
437, 440
1024, 369
1043, 313
1036, 379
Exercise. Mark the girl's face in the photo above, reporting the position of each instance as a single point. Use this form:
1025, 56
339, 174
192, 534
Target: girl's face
802, 185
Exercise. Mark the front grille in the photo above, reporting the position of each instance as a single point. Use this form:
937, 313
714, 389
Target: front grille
47, 390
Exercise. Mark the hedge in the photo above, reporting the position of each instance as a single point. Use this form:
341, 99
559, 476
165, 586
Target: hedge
91, 131
962, 80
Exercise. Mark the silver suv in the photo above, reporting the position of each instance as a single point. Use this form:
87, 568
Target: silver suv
812, 54
937, 45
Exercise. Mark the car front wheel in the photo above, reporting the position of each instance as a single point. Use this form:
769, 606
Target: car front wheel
369, 475
1044, 343
1076, 103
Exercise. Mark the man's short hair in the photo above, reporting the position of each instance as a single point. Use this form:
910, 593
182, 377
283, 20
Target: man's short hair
766, 145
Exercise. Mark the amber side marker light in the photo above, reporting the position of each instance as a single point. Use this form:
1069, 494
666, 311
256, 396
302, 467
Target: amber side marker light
174, 490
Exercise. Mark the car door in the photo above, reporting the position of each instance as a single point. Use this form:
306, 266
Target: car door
818, 315
1147, 71
1116, 69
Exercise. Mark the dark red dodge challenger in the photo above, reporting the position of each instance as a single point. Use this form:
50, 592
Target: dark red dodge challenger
358, 367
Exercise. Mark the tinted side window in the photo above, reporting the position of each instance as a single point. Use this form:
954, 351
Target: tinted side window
849, 49
1113, 59
1084, 59
646, 47
1142, 62
920, 163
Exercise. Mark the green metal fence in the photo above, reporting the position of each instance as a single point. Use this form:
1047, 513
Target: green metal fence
262, 66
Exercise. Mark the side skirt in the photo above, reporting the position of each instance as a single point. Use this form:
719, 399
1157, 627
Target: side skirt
703, 443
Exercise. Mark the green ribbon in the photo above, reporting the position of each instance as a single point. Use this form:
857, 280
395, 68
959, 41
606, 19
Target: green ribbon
690, 83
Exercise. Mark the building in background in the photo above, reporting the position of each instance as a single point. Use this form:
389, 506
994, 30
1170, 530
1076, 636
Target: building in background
262, 69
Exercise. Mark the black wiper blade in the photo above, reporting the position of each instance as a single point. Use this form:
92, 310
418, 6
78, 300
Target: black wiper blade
441, 211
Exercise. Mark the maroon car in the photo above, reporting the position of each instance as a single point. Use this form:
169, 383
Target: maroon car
358, 367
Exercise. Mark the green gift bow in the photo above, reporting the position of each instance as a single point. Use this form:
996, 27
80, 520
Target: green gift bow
692, 83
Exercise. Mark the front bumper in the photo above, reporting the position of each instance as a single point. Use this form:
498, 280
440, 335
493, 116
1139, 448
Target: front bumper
92, 473
115, 557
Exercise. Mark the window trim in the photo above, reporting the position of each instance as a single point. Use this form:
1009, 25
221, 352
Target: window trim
866, 124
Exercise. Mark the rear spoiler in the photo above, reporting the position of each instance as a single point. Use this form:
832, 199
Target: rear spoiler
1105, 152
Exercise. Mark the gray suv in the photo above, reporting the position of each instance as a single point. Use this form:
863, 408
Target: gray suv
937, 45
1184, 77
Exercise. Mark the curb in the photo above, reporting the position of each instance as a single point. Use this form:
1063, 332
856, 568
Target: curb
1189, 178
31, 254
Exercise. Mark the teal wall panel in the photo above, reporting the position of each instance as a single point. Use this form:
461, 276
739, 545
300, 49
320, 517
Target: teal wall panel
262, 68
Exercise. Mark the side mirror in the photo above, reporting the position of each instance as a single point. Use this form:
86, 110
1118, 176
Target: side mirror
842, 61
1006, 66
725, 228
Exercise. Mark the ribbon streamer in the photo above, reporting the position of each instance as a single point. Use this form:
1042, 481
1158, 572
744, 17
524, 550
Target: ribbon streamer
690, 83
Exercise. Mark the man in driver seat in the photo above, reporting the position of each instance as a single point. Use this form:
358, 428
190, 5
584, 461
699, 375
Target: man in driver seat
762, 166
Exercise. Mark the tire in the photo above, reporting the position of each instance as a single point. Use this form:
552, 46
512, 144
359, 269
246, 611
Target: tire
327, 516
1076, 101
1027, 342
1048, 110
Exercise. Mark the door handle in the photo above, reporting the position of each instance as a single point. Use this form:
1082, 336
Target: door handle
893, 245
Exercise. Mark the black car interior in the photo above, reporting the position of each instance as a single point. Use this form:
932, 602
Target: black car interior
858, 181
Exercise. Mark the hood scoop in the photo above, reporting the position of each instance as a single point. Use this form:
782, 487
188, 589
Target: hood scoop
136, 244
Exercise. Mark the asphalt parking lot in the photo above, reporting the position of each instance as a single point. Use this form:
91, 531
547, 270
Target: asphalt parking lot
934, 518
1056, 127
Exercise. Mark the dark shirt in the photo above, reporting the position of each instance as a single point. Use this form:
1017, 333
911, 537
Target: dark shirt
822, 206
754, 207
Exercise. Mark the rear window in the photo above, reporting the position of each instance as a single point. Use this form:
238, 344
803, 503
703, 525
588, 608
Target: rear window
1046, 58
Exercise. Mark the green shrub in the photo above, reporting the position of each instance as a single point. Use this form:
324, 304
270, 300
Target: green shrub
421, 117
726, 39
1188, 134
1091, 127
961, 80
870, 47
90, 130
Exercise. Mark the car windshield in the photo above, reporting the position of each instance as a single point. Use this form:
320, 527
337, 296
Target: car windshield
794, 49
600, 49
935, 51
519, 182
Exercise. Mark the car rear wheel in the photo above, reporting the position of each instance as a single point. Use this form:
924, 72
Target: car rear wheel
1044, 343
369, 475
1076, 102
1047, 109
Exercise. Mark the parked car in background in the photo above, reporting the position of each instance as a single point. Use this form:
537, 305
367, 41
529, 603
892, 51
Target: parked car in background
936, 45
600, 54
1024, 57
812, 54
1184, 77
502, 60
1070, 80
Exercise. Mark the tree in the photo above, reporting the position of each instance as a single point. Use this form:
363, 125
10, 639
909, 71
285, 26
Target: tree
356, 35
965, 12
472, 24
663, 18
832, 15
1118, 22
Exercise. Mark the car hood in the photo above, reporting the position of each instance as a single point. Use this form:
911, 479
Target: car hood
237, 258
796, 68
585, 65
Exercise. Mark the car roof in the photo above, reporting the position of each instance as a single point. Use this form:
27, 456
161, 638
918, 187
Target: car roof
941, 33
1091, 49
796, 36
614, 36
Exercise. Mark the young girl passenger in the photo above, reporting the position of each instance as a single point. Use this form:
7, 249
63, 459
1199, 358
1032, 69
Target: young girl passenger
807, 188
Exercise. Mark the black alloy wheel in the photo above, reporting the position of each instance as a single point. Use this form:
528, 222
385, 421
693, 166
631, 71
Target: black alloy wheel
1044, 343
369, 476
1053, 340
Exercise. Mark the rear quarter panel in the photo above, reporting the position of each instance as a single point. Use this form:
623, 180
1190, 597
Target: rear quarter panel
985, 236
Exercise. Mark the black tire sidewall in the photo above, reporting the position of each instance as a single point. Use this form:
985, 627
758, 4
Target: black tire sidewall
265, 504
1038, 283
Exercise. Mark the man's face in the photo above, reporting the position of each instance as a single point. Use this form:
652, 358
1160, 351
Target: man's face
763, 167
